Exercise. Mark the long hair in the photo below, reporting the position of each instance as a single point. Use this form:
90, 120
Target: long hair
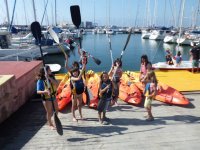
75, 64
145, 59
151, 76
179, 53
41, 73
74, 69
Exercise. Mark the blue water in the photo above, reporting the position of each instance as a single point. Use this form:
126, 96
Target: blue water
98, 46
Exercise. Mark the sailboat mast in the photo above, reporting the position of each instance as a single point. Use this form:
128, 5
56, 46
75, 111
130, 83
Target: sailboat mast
181, 22
8, 16
94, 14
55, 13
34, 10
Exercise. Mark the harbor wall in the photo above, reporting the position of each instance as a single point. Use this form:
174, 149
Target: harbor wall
17, 85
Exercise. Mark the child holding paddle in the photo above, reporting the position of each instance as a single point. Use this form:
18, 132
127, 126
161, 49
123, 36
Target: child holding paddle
75, 64
106, 88
78, 86
116, 73
47, 94
150, 92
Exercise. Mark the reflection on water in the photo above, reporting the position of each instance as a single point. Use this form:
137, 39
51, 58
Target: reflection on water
98, 46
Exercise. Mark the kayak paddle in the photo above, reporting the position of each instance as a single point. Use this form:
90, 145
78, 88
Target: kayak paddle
127, 40
56, 39
36, 31
110, 49
76, 19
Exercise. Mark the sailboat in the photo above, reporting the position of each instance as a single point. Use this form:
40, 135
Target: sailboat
185, 65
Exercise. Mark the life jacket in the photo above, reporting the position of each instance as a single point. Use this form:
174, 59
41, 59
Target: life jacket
77, 86
52, 91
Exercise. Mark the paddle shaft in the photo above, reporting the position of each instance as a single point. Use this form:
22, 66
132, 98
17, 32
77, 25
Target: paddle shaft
110, 49
48, 83
127, 41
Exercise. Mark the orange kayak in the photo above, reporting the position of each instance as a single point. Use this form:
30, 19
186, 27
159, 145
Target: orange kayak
93, 80
128, 91
165, 93
63, 95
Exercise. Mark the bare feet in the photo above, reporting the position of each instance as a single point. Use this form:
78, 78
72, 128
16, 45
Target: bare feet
52, 127
75, 120
81, 118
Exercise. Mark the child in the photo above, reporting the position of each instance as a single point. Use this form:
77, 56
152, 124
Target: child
47, 94
144, 68
150, 92
83, 56
105, 96
74, 65
178, 58
115, 73
168, 57
78, 86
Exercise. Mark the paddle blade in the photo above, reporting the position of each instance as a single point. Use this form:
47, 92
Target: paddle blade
96, 60
75, 15
36, 31
53, 35
58, 124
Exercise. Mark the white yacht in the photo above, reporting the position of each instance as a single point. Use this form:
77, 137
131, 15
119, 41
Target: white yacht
188, 37
100, 31
158, 34
110, 31
10, 51
171, 38
145, 34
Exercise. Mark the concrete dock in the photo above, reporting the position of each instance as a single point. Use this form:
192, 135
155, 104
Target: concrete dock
174, 127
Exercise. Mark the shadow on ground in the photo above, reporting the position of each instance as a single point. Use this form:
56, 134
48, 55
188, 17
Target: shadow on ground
24, 123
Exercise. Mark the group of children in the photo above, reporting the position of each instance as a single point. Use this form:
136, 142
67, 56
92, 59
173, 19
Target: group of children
108, 87
169, 58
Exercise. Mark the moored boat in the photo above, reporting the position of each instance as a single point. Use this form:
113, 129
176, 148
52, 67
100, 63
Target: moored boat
185, 65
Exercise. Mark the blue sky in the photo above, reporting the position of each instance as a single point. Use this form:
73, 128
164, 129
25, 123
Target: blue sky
105, 12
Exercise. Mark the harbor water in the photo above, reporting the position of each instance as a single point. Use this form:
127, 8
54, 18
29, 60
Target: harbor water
98, 46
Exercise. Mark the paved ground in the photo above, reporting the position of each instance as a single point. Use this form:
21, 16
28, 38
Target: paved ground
175, 127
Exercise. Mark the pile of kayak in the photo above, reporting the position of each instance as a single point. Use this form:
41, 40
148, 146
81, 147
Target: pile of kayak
130, 91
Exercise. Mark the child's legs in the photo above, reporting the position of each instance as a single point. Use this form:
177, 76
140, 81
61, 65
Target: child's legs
100, 116
107, 104
79, 104
147, 106
49, 111
116, 91
74, 105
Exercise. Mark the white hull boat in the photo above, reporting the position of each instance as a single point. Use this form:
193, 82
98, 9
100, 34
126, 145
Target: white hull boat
185, 65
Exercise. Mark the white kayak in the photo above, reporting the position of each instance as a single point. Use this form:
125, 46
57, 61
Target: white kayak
54, 67
185, 65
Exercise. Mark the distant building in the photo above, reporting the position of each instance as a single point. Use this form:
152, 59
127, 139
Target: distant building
82, 25
88, 25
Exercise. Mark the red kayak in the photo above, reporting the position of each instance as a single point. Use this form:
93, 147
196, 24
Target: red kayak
128, 91
93, 80
165, 93
63, 95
